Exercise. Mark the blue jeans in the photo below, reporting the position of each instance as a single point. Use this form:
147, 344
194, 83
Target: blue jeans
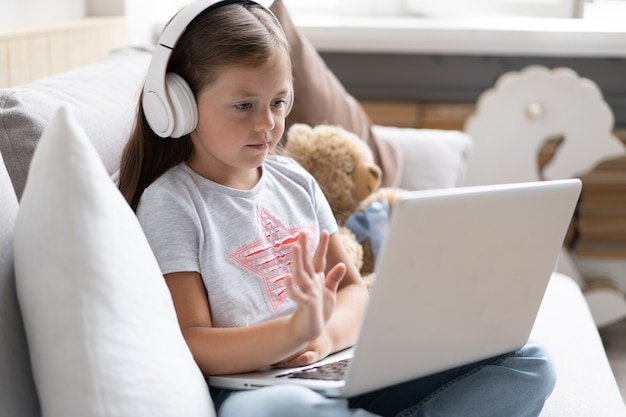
512, 385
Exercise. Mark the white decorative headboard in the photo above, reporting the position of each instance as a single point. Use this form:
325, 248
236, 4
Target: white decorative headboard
30, 53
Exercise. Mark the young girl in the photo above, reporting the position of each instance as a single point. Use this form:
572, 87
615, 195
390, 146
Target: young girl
247, 244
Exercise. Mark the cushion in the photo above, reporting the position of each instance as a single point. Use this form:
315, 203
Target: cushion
17, 389
101, 326
320, 98
103, 96
432, 158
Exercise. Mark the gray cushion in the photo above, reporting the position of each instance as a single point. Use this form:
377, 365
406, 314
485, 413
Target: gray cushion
103, 97
17, 389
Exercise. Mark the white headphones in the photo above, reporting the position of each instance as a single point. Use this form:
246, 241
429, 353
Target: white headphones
168, 102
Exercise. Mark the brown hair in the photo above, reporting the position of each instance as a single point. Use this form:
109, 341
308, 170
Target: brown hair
234, 34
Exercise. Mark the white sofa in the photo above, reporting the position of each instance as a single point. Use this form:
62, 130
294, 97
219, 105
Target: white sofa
103, 97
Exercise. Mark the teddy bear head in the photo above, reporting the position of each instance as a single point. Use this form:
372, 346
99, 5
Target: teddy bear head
339, 160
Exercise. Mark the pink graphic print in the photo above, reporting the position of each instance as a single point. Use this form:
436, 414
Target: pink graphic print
270, 256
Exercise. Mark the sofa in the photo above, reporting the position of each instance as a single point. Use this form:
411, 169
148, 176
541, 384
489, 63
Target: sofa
87, 326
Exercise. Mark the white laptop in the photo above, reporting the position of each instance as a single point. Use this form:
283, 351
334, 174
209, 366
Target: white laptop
460, 278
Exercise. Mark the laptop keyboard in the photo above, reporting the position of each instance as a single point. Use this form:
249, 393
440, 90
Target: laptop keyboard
333, 371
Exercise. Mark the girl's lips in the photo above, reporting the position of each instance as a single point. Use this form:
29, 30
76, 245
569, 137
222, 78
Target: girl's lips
259, 146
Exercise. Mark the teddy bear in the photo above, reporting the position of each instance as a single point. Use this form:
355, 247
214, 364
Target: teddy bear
343, 165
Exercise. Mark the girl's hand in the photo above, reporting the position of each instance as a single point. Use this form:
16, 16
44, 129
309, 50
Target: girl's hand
315, 351
314, 292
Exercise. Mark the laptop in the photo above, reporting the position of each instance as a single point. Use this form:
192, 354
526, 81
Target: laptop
460, 278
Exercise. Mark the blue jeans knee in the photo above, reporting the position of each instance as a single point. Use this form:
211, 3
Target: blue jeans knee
534, 361
513, 385
286, 401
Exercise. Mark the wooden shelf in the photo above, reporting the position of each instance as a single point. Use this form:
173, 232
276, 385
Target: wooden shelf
423, 115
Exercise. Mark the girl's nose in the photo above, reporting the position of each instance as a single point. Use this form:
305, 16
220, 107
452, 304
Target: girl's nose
266, 120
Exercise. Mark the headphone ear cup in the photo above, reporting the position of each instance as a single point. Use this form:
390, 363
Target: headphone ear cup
184, 105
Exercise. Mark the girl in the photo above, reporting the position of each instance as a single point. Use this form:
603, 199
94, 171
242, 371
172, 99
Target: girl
247, 244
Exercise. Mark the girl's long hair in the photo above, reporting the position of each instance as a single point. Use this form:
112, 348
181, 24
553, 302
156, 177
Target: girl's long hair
234, 34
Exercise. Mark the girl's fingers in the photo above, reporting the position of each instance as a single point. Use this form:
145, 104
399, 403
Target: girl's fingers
305, 272
293, 290
305, 262
298, 274
319, 258
309, 287
334, 277
296, 283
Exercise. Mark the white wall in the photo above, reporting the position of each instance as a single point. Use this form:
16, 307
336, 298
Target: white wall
14, 13
147, 17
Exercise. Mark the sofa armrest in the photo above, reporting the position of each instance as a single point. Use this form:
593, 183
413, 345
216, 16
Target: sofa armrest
103, 97
431, 158
585, 383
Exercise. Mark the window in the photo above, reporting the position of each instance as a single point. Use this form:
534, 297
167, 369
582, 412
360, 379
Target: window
438, 8
538, 8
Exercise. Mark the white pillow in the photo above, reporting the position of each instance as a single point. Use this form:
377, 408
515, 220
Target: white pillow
432, 158
101, 327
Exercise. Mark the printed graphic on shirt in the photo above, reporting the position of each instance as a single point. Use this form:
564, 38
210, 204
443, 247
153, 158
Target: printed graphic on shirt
270, 256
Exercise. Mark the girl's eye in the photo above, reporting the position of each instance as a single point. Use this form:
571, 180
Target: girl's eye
243, 106
280, 103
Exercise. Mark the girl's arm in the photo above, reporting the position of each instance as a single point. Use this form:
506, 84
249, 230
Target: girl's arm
342, 329
232, 350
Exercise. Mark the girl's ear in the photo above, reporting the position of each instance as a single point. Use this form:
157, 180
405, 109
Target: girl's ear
290, 99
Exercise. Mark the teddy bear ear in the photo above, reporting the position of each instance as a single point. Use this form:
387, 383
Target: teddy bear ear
299, 130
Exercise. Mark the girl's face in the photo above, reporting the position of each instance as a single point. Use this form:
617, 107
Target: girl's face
241, 118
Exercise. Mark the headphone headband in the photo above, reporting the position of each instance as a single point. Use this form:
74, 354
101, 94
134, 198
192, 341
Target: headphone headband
158, 104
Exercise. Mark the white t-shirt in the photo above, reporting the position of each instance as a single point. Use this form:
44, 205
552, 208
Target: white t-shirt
239, 241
